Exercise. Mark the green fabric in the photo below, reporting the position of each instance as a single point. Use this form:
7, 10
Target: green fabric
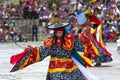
88, 12
75, 53
79, 58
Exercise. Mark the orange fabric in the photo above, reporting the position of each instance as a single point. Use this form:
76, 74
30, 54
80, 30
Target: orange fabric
48, 42
68, 45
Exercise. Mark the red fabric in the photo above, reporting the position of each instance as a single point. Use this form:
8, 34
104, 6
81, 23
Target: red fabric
87, 42
58, 29
59, 64
59, 42
82, 38
32, 58
93, 18
16, 58
100, 46
92, 57
85, 54
85, 62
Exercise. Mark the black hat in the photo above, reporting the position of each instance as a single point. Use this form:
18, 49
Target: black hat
58, 25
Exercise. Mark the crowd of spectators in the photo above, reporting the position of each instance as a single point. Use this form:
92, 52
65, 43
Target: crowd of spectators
8, 33
106, 10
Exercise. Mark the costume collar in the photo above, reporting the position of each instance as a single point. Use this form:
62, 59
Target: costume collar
68, 44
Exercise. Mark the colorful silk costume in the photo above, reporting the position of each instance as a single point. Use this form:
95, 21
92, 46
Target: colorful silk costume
61, 67
93, 47
92, 39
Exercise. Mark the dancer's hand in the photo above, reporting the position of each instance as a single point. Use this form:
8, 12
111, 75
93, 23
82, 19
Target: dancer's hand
27, 48
86, 28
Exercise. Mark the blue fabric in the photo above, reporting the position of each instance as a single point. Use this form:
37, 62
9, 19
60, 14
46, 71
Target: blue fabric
117, 25
68, 29
78, 59
81, 19
78, 13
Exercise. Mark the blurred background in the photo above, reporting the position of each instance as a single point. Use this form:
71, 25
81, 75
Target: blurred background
18, 16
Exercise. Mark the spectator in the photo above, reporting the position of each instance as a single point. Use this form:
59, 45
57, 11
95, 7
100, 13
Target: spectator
24, 38
8, 37
118, 26
11, 31
15, 37
33, 9
34, 31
